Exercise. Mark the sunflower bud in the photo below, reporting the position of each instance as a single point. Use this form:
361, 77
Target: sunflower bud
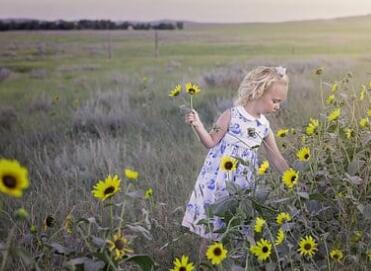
21, 213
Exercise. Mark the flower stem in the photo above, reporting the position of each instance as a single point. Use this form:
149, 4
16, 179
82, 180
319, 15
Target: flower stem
8, 242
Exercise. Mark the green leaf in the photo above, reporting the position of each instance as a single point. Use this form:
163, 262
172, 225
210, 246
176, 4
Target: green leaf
304, 195
262, 193
317, 196
365, 210
223, 206
90, 220
232, 188
279, 201
99, 242
59, 249
144, 261
356, 180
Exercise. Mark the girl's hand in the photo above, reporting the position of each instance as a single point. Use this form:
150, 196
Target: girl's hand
193, 119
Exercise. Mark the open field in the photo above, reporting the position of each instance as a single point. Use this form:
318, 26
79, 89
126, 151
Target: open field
72, 114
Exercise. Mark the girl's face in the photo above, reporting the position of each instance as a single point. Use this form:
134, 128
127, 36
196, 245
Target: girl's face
270, 101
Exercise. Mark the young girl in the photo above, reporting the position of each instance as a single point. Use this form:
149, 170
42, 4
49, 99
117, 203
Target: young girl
239, 131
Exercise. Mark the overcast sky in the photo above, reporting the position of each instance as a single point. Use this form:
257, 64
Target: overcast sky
194, 10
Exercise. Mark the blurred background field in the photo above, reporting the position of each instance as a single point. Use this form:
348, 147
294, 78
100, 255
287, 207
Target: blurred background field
76, 106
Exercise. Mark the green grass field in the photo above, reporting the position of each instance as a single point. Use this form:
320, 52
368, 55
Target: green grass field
72, 115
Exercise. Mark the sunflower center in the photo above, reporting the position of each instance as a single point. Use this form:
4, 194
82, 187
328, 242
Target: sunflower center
49, 221
9, 181
265, 249
119, 244
182, 268
217, 251
109, 190
306, 156
228, 165
293, 178
307, 246
336, 256
191, 90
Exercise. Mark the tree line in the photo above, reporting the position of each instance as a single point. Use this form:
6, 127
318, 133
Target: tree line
10, 25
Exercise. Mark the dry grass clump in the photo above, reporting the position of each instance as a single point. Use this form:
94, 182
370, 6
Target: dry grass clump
8, 116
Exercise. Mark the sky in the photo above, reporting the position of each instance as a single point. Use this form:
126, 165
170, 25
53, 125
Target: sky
189, 10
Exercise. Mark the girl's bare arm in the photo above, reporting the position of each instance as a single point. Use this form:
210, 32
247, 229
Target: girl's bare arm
209, 139
273, 153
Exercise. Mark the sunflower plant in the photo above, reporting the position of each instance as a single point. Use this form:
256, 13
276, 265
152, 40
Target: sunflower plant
316, 215
107, 240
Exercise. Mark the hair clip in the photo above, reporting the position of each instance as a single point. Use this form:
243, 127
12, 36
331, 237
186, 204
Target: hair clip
281, 71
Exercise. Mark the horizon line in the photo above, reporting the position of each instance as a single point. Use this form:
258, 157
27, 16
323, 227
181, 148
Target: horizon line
194, 21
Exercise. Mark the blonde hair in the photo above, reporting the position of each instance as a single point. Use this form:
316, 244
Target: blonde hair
257, 81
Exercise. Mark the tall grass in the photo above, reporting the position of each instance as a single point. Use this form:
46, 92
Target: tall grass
115, 115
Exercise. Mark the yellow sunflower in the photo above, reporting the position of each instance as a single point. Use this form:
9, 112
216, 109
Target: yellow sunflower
118, 246
263, 168
192, 89
176, 91
228, 163
330, 99
357, 236
68, 224
13, 178
107, 188
149, 193
290, 178
262, 250
183, 264
334, 87
280, 237
283, 217
348, 132
336, 254
363, 122
282, 132
312, 127
216, 253
362, 93
259, 224
131, 174
303, 154
307, 246
334, 115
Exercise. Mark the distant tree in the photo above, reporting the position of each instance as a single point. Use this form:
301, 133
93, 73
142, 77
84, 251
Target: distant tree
123, 25
179, 25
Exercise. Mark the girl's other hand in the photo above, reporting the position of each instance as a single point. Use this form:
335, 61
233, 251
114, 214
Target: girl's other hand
193, 119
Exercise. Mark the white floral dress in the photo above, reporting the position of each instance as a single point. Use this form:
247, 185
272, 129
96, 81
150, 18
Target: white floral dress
245, 133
